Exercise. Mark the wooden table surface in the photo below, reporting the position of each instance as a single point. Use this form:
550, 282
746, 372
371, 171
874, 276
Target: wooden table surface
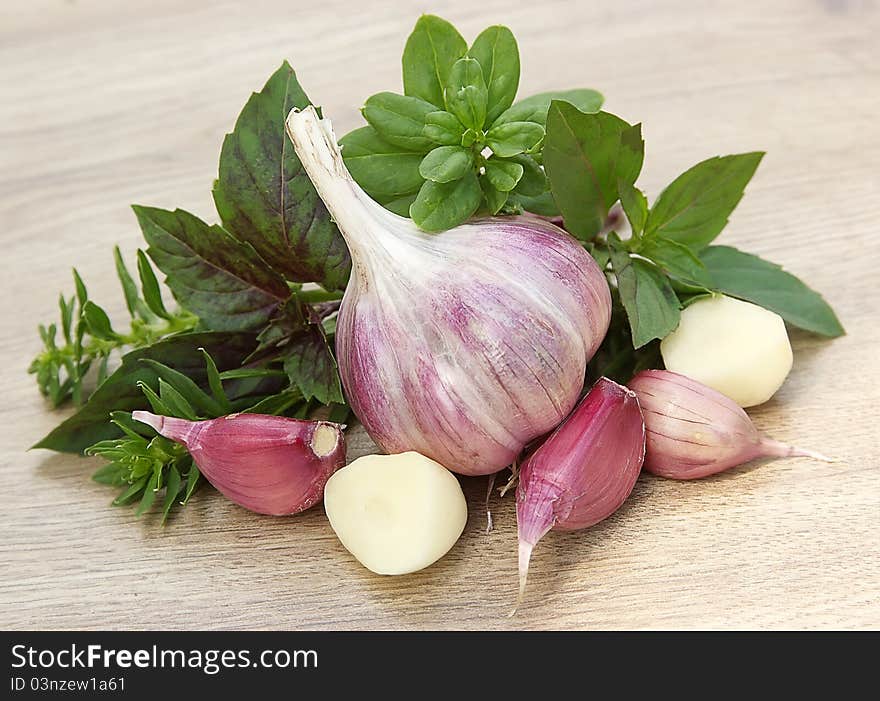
103, 104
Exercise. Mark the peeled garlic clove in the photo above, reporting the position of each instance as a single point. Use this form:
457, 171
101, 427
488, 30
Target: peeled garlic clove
584, 471
694, 431
463, 345
395, 513
738, 348
268, 464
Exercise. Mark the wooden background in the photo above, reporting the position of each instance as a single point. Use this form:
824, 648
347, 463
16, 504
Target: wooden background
104, 103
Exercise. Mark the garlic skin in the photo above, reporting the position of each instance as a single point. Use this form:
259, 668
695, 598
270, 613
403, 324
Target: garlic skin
694, 431
738, 348
464, 345
584, 471
268, 464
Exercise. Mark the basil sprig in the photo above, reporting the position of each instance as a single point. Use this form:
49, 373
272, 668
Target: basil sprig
455, 143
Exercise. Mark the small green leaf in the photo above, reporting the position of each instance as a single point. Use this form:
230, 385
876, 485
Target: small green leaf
495, 198
766, 284
265, 198
678, 261
155, 401
468, 137
192, 481
98, 322
133, 490
214, 381
635, 205
150, 286
496, 50
129, 289
695, 207
443, 128
149, 493
275, 404
533, 181
172, 490
108, 474
378, 166
543, 204
176, 403
400, 205
534, 108
441, 206
650, 302
431, 49
504, 175
466, 94
399, 119
82, 294
513, 138
586, 157
446, 163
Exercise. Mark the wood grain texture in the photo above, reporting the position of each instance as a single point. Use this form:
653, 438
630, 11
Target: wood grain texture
107, 103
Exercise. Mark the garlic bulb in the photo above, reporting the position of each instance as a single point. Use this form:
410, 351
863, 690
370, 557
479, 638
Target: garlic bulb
464, 345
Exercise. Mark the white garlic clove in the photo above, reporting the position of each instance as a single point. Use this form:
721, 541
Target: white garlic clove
395, 513
735, 347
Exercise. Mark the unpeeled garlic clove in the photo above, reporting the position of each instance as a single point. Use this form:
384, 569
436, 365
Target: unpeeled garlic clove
694, 431
584, 471
268, 464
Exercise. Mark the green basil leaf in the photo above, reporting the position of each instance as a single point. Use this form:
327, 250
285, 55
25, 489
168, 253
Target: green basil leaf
221, 280
635, 205
265, 198
311, 367
466, 94
446, 163
399, 119
443, 128
120, 391
400, 205
430, 51
533, 181
534, 108
650, 302
542, 204
129, 289
496, 50
378, 166
150, 286
514, 138
503, 174
695, 207
495, 198
172, 490
98, 322
761, 282
441, 206
586, 156
678, 261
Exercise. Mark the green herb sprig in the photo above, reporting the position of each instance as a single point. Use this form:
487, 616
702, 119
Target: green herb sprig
89, 338
455, 143
593, 160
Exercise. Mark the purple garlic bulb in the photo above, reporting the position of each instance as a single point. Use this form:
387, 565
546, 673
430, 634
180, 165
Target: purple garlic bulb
463, 345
